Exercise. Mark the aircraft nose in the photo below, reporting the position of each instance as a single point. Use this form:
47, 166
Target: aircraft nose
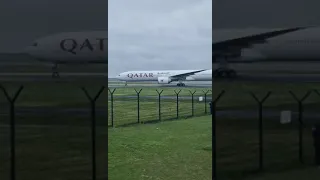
30, 50
27, 50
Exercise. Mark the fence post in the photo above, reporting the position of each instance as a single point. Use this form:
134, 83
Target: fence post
205, 100
12, 129
192, 100
300, 109
177, 94
111, 95
260, 104
159, 100
138, 99
93, 127
214, 135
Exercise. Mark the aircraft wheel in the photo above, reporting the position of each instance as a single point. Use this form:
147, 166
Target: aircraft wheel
222, 73
180, 84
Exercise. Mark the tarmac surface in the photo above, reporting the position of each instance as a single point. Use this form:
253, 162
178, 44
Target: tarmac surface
173, 85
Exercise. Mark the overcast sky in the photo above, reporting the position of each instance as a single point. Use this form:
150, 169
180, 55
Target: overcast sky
159, 34
148, 34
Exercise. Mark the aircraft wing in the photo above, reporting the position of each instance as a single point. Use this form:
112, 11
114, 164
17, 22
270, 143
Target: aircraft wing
235, 45
186, 74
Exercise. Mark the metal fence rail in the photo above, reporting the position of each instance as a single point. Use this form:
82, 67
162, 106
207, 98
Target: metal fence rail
155, 108
261, 120
124, 110
12, 100
120, 108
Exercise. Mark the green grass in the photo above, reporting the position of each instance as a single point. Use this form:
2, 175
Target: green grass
170, 150
238, 94
179, 149
296, 175
238, 153
167, 91
54, 94
51, 151
125, 112
182, 150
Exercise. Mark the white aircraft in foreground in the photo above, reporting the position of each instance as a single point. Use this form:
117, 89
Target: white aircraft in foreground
71, 48
257, 45
166, 77
229, 46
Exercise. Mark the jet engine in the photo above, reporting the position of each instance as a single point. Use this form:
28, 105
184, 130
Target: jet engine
243, 56
164, 80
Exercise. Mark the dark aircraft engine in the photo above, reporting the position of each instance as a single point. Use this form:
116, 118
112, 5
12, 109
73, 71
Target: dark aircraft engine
164, 80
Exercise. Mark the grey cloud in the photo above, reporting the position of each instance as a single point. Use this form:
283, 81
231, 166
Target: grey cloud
159, 35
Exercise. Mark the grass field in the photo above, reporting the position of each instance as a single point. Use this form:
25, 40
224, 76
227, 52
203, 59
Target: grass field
54, 94
238, 94
238, 153
125, 110
51, 147
170, 150
295, 175
46, 149
183, 150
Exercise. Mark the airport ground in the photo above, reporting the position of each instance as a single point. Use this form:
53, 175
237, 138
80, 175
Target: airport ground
63, 117
53, 117
183, 150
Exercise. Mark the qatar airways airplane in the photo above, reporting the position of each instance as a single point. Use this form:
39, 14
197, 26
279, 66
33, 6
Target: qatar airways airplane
70, 48
257, 45
229, 46
166, 77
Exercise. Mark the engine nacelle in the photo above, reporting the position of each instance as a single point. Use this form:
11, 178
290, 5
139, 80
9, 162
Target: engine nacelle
164, 80
246, 55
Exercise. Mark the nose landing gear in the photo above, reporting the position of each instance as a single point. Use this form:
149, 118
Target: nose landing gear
55, 73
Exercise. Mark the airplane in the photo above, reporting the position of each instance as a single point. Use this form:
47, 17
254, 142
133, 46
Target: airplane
70, 48
246, 45
166, 76
263, 45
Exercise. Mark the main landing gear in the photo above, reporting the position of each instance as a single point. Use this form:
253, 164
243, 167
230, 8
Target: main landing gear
223, 70
55, 73
180, 84
224, 73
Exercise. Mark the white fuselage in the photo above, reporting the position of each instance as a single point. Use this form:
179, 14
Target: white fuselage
91, 46
71, 47
154, 75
